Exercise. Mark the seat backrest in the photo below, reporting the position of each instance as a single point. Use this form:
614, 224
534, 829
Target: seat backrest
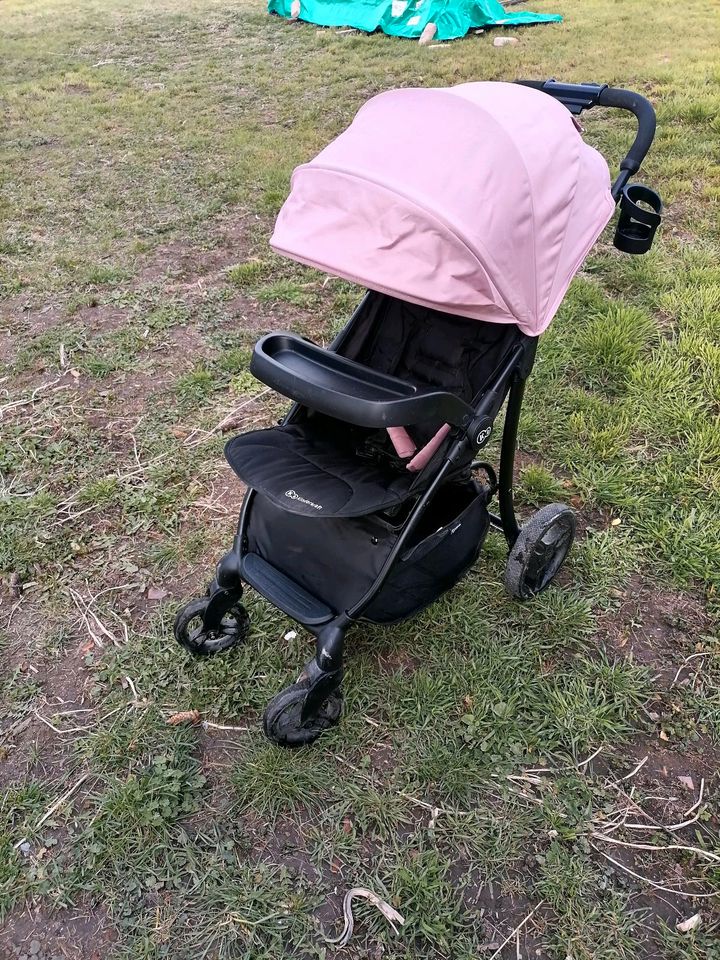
427, 348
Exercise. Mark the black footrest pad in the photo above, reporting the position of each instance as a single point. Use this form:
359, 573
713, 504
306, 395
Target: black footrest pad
283, 592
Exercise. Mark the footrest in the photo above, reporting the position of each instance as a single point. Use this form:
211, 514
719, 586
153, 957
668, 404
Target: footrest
283, 592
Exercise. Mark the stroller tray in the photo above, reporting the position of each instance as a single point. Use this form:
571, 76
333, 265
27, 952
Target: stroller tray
349, 391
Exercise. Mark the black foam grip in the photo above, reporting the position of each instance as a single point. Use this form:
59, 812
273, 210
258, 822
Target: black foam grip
643, 110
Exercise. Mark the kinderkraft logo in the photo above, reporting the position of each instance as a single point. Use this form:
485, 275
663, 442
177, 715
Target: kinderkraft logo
292, 495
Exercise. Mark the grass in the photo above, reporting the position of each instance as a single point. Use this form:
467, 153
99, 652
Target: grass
147, 149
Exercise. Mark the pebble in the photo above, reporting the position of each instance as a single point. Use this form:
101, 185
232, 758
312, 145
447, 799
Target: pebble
504, 41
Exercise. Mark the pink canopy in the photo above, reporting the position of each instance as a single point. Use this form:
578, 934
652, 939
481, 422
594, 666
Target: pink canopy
480, 200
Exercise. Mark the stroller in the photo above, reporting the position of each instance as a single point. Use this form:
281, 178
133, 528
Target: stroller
466, 212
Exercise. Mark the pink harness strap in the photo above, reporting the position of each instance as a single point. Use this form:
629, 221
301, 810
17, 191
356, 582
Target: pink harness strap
404, 446
402, 441
423, 456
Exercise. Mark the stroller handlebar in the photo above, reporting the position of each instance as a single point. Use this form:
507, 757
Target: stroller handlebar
583, 96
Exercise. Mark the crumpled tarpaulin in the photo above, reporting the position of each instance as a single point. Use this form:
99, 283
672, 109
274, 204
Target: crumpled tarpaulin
408, 18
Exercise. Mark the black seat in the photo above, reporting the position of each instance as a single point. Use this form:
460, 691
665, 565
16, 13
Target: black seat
315, 468
399, 364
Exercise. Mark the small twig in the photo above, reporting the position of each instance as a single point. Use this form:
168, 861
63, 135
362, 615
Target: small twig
669, 827
657, 886
655, 846
13, 609
193, 440
100, 720
656, 824
59, 729
82, 610
568, 766
13, 404
219, 726
68, 518
516, 931
629, 776
685, 662
699, 799
51, 810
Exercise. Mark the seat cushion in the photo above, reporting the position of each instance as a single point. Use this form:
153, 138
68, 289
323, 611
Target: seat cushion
305, 470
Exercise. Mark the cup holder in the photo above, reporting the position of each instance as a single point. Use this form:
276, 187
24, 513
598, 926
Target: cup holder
637, 224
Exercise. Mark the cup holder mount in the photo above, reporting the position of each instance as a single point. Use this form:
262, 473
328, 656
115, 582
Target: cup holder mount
640, 216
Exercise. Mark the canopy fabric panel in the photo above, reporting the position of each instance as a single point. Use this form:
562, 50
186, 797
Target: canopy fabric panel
408, 18
480, 200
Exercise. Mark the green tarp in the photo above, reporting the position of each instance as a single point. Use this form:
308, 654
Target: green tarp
408, 18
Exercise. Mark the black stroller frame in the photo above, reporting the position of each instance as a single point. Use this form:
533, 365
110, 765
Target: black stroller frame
316, 379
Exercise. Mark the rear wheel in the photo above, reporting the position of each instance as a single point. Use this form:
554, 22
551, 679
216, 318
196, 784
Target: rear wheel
540, 551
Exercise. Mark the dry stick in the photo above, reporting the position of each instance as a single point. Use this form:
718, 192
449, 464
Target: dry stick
658, 886
59, 729
671, 827
51, 810
219, 726
68, 518
87, 611
629, 776
32, 398
96, 640
12, 611
193, 441
406, 796
656, 846
685, 662
699, 799
516, 931
107, 716
568, 766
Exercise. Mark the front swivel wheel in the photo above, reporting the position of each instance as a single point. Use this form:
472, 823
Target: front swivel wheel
191, 632
284, 721
540, 550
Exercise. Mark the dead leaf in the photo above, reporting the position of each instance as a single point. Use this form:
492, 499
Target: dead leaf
185, 716
692, 923
156, 593
687, 782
